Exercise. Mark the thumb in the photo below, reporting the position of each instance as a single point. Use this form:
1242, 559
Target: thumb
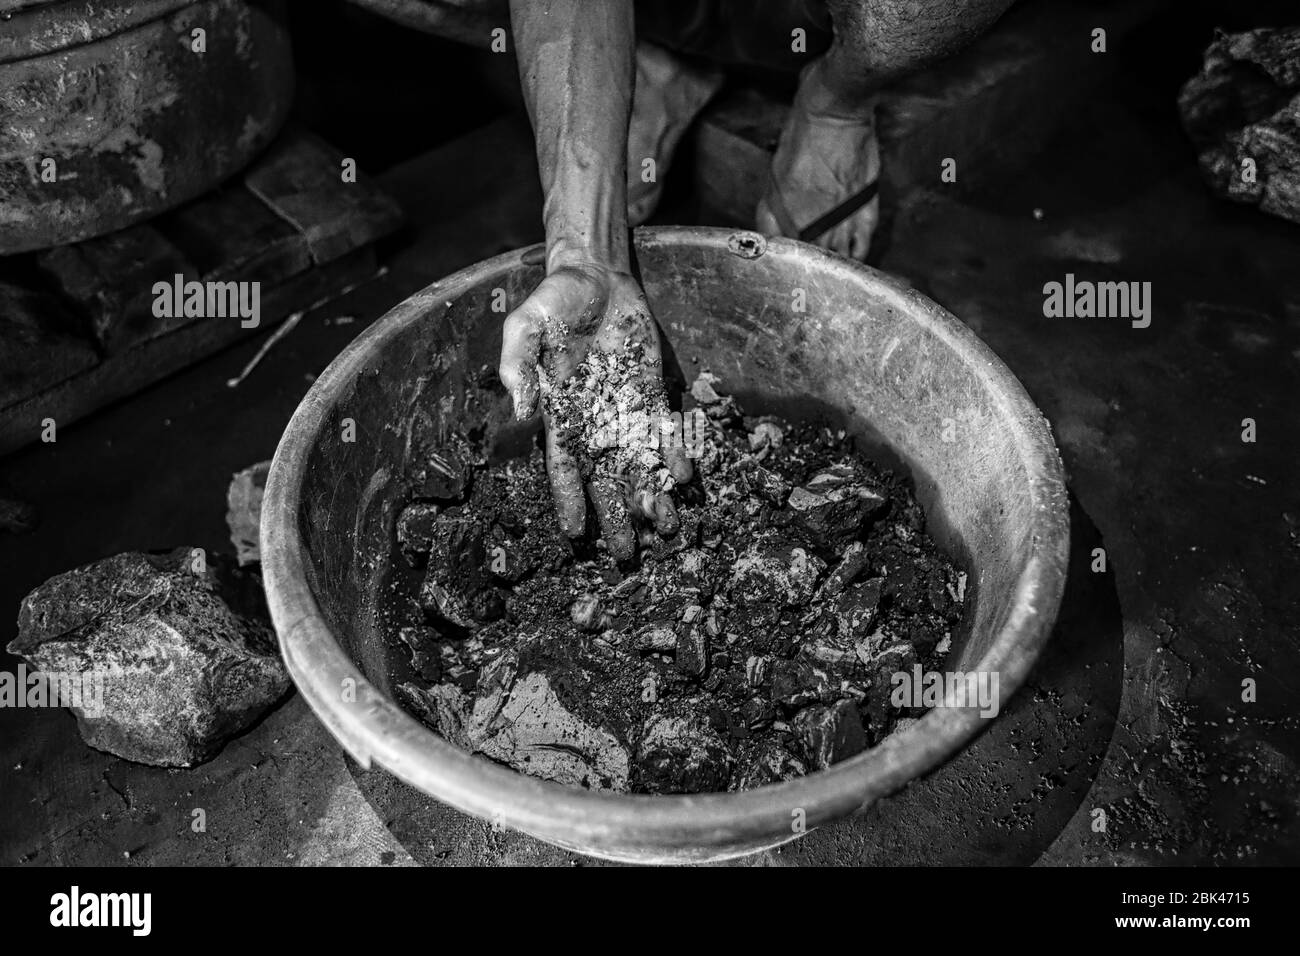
521, 342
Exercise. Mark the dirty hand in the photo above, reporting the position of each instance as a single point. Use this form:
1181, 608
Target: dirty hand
585, 347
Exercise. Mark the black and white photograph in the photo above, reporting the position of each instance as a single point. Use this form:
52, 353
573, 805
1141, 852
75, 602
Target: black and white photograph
707, 434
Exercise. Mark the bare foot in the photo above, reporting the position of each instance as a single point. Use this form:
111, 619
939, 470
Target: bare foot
669, 94
823, 158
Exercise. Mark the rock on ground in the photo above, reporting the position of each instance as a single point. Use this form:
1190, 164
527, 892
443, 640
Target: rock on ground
179, 643
1243, 113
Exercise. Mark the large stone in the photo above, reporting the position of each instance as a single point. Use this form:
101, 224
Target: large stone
1243, 113
178, 643
518, 720
536, 734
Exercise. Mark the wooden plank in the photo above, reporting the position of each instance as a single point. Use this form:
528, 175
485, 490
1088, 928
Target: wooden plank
231, 234
39, 344
226, 235
302, 217
300, 178
111, 279
153, 359
303, 214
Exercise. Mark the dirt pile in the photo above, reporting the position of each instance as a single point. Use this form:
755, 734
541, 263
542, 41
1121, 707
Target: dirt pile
754, 645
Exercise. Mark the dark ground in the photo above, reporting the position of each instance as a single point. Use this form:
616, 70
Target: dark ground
1136, 710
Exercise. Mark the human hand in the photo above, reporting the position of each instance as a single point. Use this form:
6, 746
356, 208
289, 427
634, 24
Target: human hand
585, 347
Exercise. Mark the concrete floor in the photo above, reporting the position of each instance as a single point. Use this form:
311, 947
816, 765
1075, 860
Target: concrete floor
1136, 710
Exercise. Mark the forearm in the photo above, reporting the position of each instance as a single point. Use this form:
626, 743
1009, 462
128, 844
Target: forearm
576, 64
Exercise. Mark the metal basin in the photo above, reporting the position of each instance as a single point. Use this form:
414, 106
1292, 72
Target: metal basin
884, 361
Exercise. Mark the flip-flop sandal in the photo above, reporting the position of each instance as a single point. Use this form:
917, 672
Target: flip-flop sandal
823, 223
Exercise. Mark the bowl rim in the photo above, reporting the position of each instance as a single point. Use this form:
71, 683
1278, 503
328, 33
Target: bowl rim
375, 729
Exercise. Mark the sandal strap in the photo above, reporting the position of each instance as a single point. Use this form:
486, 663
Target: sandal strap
823, 223
832, 218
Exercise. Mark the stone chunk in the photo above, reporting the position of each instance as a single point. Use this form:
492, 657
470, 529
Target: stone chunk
446, 472
587, 613
765, 436
692, 651
765, 484
853, 562
825, 645
830, 734
776, 573
457, 584
715, 405
796, 683
534, 733
756, 669
415, 531
1243, 112
244, 511
770, 763
682, 753
856, 609
179, 644
422, 642
518, 720
757, 712
655, 639
444, 707
834, 505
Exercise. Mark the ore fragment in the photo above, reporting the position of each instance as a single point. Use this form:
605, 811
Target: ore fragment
830, 734
415, 531
682, 753
692, 651
456, 584
835, 504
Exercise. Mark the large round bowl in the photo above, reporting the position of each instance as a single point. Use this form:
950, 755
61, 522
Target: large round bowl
787, 328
